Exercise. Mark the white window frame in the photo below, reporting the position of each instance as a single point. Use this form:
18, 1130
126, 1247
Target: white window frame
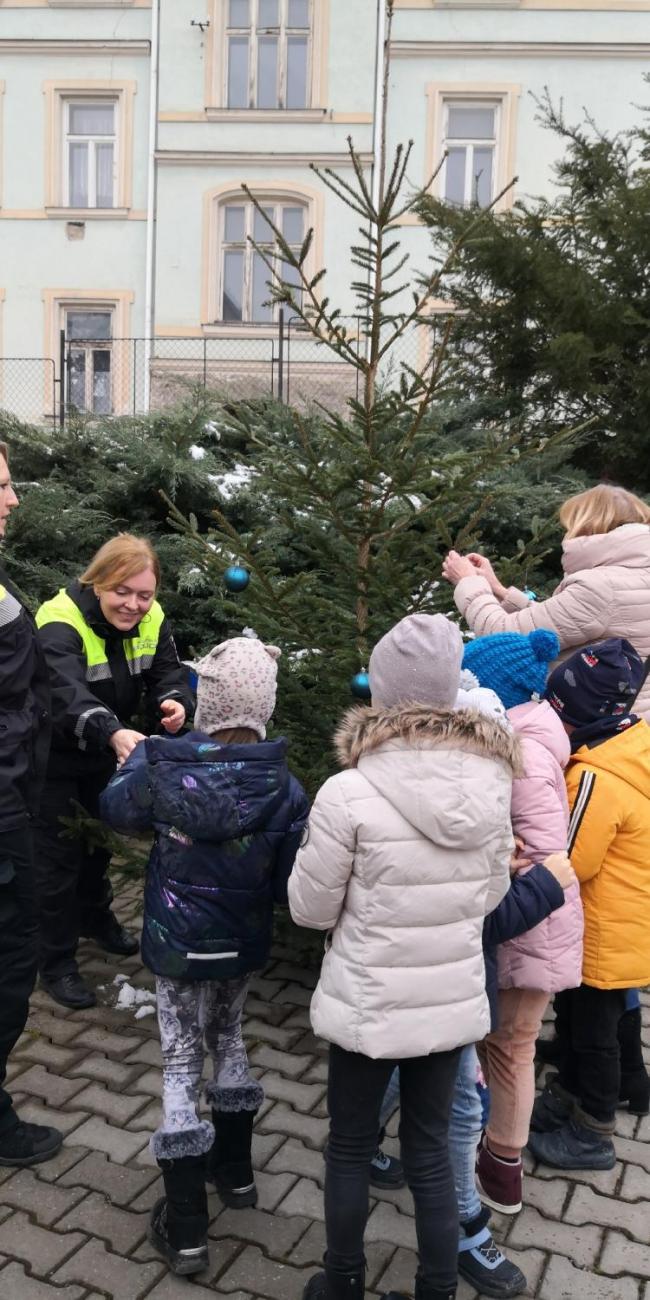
90, 101
506, 96
88, 347
470, 143
283, 32
276, 200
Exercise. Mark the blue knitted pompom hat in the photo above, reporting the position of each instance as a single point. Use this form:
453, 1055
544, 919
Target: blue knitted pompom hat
513, 664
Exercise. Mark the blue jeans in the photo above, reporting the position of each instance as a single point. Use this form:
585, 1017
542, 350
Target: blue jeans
465, 1127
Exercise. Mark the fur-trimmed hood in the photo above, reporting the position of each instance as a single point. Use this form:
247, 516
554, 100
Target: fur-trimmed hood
364, 730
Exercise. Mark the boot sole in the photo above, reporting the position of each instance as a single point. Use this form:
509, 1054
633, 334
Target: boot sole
496, 1205
383, 1184
485, 1287
38, 1158
236, 1200
181, 1262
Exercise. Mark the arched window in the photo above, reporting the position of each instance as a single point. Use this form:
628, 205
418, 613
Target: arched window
243, 276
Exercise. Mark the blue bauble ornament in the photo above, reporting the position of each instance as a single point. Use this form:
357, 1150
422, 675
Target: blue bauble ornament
360, 686
236, 577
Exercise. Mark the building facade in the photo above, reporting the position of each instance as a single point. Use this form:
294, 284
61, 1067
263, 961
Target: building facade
127, 128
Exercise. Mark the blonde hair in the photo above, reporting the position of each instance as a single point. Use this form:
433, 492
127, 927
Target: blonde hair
600, 509
118, 560
4, 451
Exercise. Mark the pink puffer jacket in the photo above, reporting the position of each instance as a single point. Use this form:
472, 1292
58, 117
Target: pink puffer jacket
605, 592
548, 957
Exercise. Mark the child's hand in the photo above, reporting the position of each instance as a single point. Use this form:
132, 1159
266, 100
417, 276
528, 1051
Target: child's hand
559, 865
518, 861
173, 716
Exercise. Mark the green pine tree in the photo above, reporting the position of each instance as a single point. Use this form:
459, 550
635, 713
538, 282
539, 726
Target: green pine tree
555, 297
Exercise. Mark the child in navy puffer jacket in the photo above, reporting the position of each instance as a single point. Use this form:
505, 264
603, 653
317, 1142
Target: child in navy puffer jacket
228, 817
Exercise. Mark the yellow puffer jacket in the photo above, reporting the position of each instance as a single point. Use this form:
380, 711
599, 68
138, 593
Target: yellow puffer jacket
609, 793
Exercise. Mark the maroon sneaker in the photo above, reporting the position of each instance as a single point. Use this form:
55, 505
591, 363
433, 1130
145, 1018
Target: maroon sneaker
499, 1181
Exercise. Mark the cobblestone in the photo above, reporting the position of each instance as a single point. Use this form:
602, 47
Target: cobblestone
586, 1206
17, 1284
563, 1281
38, 1247
282, 1119
97, 1173
47, 1202
94, 1266
98, 1218
98, 1134
74, 1228
530, 1228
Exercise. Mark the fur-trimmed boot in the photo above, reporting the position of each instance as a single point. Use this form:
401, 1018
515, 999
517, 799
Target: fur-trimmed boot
179, 1220
229, 1161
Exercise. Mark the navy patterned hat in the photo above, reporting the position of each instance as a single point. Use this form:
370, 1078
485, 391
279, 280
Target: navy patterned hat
601, 681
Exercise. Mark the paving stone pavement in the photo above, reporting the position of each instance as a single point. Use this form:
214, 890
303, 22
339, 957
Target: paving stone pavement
75, 1228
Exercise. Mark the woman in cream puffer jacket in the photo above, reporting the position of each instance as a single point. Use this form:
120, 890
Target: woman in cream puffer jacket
605, 590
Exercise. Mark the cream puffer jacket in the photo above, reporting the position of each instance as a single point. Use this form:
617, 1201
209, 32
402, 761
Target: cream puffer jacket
605, 592
405, 854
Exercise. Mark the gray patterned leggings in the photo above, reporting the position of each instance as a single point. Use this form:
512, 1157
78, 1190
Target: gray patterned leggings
194, 1016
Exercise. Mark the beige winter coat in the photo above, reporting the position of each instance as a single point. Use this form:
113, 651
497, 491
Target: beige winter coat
406, 853
605, 592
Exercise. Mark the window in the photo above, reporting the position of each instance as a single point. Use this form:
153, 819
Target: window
89, 360
90, 153
268, 53
244, 275
470, 134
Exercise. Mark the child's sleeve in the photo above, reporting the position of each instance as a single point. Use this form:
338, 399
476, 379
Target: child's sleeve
594, 819
538, 811
290, 843
499, 883
530, 899
127, 802
319, 880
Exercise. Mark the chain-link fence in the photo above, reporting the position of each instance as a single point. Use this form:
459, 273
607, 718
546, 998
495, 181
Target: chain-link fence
128, 376
28, 389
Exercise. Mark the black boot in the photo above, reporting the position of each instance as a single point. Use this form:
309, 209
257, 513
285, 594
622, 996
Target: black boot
24, 1144
179, 1220
425, 1292
105, 930
635, 1084
330, 1284
229, 1164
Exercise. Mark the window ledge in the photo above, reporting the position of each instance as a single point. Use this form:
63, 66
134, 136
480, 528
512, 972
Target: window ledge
267, 114
240, 329
87, 214
90, 4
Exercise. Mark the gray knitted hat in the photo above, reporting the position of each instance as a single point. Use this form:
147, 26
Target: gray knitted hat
417, 662
237, 686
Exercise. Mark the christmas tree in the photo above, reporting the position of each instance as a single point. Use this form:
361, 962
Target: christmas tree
357, 509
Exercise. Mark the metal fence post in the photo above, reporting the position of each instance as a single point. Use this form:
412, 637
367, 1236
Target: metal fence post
281, 355
205, 362
62, 378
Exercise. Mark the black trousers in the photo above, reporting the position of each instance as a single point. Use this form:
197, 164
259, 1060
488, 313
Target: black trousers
586, 1022
356, 1088
72, 881
18, 949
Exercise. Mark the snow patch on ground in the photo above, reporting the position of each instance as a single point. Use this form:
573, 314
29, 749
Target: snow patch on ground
130, 997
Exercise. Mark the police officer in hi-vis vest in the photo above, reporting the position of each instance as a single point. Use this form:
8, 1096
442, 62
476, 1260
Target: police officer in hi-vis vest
24, 744
107, 643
